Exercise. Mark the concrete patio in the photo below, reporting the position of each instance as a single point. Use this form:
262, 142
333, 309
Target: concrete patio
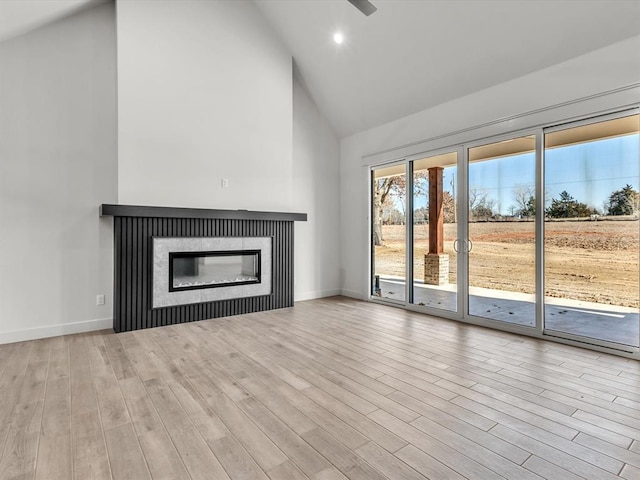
605, 322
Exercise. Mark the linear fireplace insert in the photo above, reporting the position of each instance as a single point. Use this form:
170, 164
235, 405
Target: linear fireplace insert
189, 270
196, 270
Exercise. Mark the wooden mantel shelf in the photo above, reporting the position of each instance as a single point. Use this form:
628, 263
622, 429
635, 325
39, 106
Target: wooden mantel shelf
111, 210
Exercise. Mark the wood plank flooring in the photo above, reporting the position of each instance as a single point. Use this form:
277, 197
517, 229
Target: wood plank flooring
330, 389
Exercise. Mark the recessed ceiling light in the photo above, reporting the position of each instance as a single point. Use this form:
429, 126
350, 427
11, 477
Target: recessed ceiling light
338, 38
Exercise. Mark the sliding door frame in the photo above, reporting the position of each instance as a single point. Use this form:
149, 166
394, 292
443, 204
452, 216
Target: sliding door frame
460, 266
372, 253
586, 110
539, 253
539, 241
408, 234
541, 303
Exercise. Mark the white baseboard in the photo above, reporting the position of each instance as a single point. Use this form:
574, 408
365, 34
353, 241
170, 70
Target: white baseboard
301, 297
55, 330
353, 294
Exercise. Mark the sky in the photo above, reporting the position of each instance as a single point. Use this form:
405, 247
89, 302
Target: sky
589, 172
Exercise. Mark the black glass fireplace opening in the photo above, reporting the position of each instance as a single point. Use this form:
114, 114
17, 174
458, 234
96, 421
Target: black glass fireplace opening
196, 270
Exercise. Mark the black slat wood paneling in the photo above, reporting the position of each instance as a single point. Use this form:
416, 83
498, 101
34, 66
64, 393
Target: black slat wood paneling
133, 255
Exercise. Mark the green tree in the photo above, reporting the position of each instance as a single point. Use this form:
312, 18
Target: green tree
568, 207
624, 201
529, 208
524, 195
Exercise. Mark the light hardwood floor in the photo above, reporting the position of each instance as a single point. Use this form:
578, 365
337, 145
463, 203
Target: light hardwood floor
330, 389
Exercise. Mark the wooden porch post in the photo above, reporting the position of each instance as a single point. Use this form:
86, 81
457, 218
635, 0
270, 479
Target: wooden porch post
436, 211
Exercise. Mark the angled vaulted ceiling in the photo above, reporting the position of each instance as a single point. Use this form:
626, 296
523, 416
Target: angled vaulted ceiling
411, 54
414, 54
20, 16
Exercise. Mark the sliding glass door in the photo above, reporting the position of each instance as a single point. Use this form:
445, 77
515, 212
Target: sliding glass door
388, 232
434, 226
501, 230
537, 232
591, 240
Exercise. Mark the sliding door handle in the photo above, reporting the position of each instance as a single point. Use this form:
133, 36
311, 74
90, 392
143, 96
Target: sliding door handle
469, 246
455, 245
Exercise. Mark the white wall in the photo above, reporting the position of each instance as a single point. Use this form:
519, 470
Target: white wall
204, 93
316, 156
600, 71
57, 164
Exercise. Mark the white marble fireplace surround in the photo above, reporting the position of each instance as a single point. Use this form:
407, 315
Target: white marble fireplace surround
162, 246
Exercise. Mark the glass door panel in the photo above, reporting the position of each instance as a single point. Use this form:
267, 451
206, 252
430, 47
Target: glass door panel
388, 232
592, 203
501, 223
435, 232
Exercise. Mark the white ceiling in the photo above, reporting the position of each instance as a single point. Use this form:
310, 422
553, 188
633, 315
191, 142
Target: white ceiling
414, 54
411, 54
20, 16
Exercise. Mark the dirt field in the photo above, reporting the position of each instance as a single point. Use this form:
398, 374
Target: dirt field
590, 261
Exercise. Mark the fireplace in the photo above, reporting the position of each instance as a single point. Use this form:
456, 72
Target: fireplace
194, 270
190, 270
164, 258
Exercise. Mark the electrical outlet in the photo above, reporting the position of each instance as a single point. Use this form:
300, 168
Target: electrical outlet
99, 299
225, 183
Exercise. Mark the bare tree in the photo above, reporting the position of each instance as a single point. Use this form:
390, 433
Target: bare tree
392, 216
480, 205
449, 205
476, 197
421, 215
523, 195
385, 189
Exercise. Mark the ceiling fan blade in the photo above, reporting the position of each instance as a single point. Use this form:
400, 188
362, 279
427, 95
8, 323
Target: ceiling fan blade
365, 6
